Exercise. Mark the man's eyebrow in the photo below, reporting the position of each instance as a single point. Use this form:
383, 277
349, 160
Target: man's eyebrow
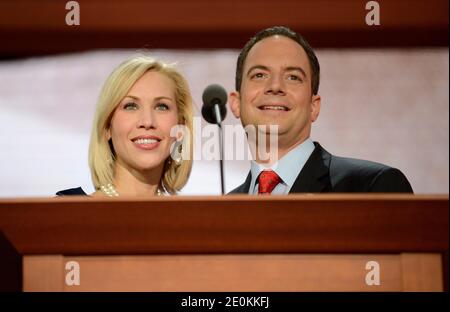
295, 68
262, 67
289, 68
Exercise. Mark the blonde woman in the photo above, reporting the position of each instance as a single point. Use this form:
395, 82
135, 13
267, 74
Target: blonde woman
135, 149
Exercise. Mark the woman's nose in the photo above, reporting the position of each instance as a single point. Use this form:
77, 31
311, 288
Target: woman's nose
146, 119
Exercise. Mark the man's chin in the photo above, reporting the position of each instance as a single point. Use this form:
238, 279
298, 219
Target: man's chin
270, 128
264, 127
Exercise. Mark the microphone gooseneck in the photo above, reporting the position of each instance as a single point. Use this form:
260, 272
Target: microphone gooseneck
214, 111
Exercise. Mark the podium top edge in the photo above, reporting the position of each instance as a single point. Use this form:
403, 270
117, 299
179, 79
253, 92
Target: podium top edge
238, 197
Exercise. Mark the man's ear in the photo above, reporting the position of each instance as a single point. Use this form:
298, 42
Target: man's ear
235, 104
315, 107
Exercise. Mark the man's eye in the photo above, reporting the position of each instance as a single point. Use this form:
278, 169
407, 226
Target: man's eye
258, 76
294, 77
162, 106
130, 106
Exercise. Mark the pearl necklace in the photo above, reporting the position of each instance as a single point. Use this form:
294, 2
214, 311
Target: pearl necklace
111, 191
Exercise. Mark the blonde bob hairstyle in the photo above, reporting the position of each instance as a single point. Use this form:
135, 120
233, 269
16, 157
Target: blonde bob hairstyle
116, 87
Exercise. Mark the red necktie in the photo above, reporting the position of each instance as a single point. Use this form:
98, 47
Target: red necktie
267, 182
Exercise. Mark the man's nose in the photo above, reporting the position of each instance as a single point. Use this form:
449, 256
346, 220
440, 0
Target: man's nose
275, 85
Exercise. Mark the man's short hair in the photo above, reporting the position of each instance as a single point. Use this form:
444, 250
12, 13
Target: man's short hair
286, 32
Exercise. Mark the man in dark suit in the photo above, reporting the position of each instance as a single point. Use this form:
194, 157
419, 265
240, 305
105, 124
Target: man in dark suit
277, 83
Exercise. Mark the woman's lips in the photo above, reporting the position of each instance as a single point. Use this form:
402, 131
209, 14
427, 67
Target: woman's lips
146, 144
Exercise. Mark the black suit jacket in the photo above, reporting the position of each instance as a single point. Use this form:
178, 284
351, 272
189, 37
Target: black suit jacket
72, 191
324, 172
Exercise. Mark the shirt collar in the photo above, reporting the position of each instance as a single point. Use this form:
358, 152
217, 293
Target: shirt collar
288, 167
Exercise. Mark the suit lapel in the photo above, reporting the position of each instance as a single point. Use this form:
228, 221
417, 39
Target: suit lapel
243, 188
314, 177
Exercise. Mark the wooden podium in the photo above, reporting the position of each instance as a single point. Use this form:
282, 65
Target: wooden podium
232, 243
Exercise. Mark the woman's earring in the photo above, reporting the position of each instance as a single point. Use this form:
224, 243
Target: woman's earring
179, 159
177, 154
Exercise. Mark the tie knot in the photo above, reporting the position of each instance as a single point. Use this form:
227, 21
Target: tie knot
268, 180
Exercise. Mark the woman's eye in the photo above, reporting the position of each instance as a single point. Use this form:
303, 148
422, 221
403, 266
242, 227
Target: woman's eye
130, 106
162, 106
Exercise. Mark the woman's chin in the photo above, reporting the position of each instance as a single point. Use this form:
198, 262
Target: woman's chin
143, 164
146, 167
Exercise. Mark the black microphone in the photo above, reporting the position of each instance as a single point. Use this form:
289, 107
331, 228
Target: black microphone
214, 107
214, 111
